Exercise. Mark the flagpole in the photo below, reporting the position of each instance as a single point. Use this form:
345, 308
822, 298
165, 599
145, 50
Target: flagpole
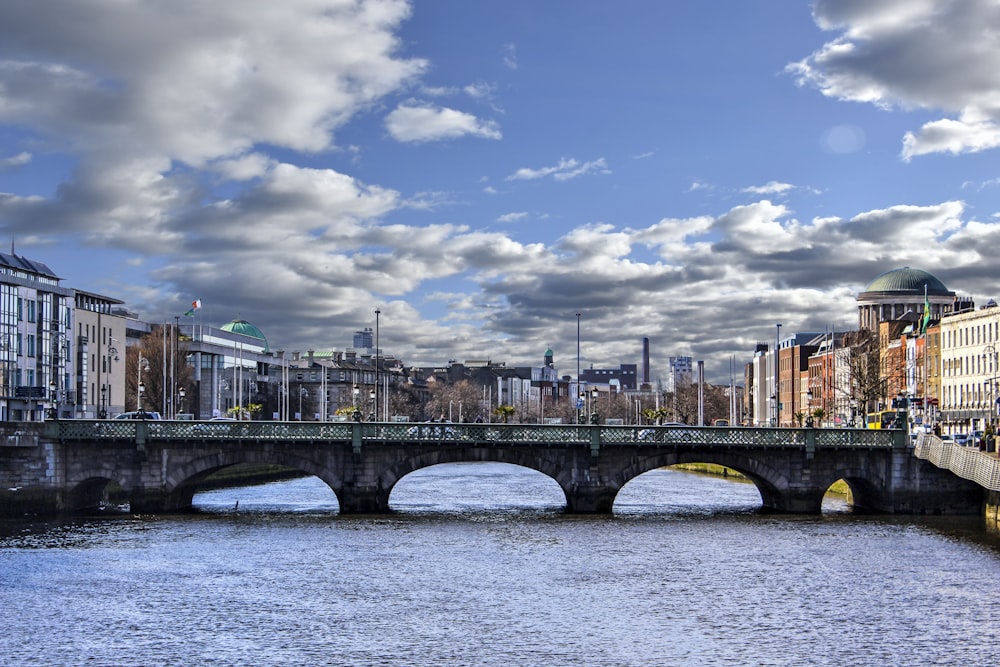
927, 321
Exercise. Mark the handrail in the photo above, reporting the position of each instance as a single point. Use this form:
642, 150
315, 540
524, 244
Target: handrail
966, 462
492, 434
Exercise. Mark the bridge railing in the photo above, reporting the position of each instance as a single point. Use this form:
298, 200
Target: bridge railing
966, 462
496, 433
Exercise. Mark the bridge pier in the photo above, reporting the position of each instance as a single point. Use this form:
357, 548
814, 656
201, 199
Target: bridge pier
148, 501
358, 500
589, 499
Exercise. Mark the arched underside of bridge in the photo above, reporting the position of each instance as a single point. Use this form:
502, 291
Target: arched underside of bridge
769, 482
182, 482
777, 491
546, 465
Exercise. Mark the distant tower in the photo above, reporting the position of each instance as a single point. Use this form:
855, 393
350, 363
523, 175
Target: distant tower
681, 369
645, 360
364, 339
548, 362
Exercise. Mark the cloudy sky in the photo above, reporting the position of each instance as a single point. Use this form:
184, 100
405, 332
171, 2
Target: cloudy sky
692, 171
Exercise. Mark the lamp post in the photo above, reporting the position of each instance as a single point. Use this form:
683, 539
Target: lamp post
378, 312
355, 394
372, 396
54, 397
578, 365
774, 411
594, 417
103, 414
809, 401
776, 397
181, 393
142, 365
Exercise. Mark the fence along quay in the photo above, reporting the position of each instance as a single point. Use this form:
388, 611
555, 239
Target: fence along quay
67, 465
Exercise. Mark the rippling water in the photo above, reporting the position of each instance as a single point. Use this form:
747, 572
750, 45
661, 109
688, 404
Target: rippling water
479, 566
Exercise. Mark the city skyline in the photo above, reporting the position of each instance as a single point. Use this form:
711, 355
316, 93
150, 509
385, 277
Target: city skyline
690, 172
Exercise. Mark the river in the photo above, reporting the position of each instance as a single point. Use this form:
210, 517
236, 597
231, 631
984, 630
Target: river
479, 566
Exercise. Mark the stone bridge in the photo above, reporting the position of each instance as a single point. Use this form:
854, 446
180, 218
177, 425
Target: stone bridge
68, 465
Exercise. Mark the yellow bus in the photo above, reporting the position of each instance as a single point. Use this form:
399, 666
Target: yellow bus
884, 419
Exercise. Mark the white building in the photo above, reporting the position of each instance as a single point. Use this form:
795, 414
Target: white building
970, 342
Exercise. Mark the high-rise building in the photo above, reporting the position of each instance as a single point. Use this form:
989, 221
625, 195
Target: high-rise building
364, 339
681, 370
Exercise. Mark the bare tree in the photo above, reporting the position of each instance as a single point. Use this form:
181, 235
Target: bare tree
456, 402
148, 364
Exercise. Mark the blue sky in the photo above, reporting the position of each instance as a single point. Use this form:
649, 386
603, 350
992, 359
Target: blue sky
693, 172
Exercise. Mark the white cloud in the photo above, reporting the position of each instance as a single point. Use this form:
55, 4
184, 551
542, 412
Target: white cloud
419, 123
509, 55
951, 136
939, 56
564, 170
512, 217
771, 188
15, 160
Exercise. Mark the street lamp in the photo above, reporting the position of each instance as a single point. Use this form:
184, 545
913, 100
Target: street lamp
777, 394
378, 312
373, 396
594, 417
181, 393
54, 397
142, 365
774, 411
578, 364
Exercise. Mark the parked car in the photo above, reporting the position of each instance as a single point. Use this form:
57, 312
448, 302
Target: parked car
138, 414
962, 439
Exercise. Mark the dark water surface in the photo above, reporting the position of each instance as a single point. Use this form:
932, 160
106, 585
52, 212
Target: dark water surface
479, 566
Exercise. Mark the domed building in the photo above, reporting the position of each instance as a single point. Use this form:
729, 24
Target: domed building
244, 328
900, 291
231, 367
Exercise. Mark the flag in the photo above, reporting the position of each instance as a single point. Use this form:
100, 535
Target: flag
195, 305
927, 313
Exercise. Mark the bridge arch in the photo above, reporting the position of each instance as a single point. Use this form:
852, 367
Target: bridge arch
182, 481
768, 481
867, 495
403, 467
87, 489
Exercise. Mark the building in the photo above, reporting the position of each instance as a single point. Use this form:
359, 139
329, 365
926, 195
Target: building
625, 377
893, 294
969, 347
232, 369
100, 331
37, 343
680, 372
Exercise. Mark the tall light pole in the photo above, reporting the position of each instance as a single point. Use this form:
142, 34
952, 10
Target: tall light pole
142, 365
777, 395
375, 393
578, 365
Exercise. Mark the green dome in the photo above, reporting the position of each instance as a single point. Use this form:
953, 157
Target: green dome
548, 352
244, 328
907, 280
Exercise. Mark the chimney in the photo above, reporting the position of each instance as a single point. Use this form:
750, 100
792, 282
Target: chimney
645, 360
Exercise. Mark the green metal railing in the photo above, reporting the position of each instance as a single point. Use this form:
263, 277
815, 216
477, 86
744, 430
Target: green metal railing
498, 434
